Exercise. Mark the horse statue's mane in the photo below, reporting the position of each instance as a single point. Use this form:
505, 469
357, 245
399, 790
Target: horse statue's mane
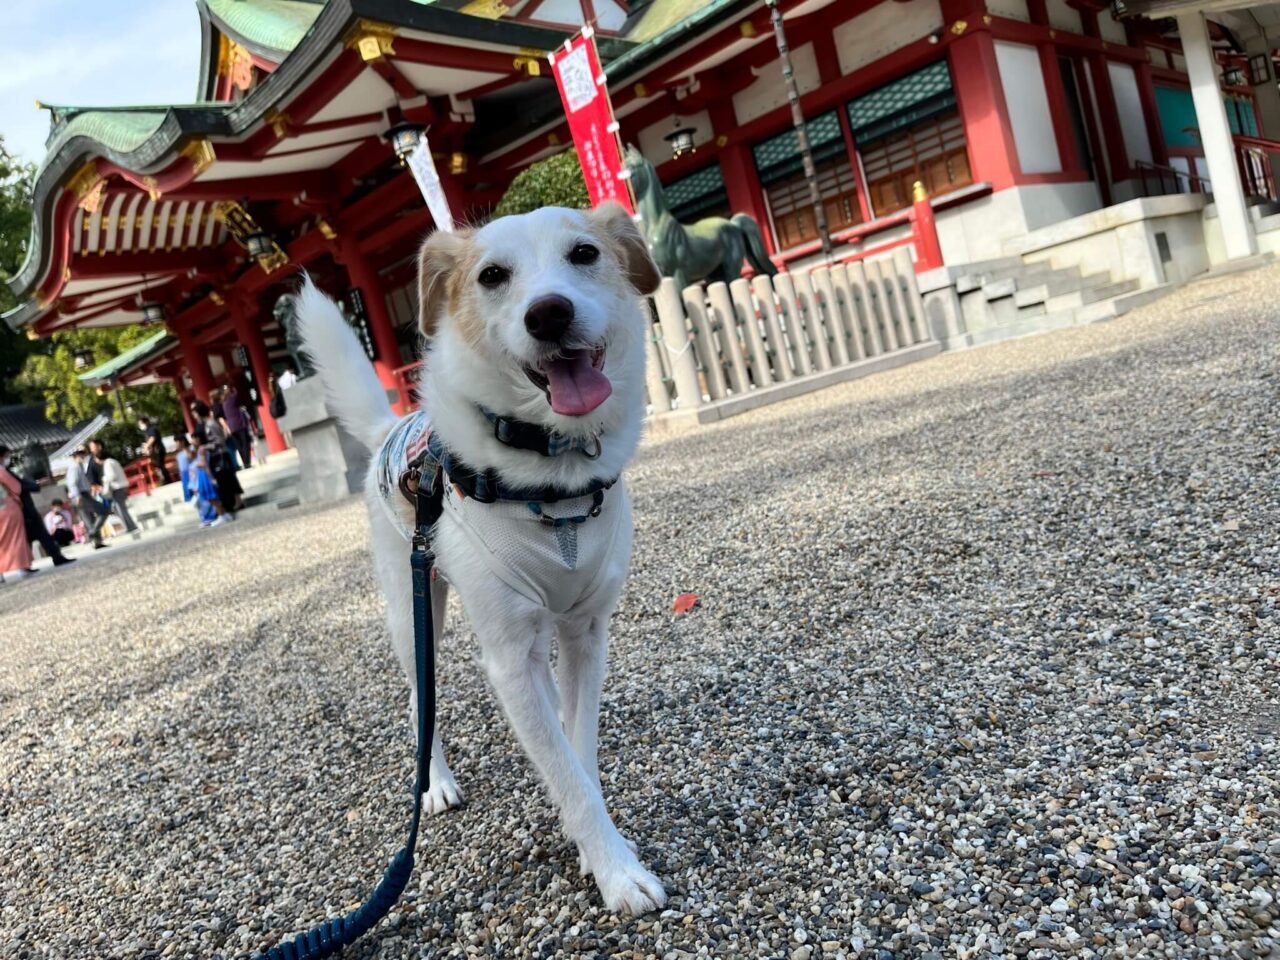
711, 249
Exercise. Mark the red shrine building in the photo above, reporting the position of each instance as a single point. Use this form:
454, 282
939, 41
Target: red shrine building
1010, 115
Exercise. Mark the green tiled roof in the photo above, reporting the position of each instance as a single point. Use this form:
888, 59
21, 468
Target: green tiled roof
779, 156
121, 363
695, 185
274, 24
121, 130
899, 98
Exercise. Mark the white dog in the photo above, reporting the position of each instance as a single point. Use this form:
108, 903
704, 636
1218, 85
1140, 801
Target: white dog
532, 399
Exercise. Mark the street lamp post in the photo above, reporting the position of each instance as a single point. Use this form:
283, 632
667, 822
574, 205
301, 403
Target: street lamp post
802, 135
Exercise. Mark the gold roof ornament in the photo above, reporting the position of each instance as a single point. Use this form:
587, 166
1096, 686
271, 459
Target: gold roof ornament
279, 121
918, 192
87, 184
528, 65
487, 9
236, 62
201, 154
256, 242
371, 39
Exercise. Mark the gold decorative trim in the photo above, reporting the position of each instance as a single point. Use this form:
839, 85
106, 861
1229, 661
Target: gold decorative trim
217, 298
722, 141
553, 140
529, 66
241, 226
959, 27
747, 28
485, 9
327, 231
640, 90
236, 62
279, 121
918, 192
152, 187
87, 184
457, 163
371, 39
201, 154
986, 19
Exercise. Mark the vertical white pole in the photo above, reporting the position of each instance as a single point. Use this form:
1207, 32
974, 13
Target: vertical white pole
675, 340
1215, 135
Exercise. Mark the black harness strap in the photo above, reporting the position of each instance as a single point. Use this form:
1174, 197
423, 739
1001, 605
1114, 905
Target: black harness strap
332, 935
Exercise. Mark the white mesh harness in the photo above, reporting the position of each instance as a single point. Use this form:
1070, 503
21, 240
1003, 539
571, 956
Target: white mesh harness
553, 554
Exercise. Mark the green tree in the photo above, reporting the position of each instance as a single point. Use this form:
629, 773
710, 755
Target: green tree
16, 179
553, 182
53, 378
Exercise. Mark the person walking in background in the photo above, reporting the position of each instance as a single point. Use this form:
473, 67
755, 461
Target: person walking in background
153, 448
15, 549
92, 514
116, 483
236, 417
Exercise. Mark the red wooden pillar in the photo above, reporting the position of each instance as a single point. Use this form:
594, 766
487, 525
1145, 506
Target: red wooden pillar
1059, 112
993, 154
365, 279
1109, 118
738, 169
184, 401
740, 183
196, 361
249, 333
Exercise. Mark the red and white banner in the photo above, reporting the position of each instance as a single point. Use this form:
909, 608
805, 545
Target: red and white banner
595, 133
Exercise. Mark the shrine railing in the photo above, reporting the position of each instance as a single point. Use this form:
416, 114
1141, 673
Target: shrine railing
725, 348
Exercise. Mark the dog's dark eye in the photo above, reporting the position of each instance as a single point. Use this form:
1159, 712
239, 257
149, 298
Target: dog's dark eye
494, 276
583, 254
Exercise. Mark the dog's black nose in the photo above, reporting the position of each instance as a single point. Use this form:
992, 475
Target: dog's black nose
549, 317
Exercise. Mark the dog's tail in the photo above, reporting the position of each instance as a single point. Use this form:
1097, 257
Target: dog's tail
352, 390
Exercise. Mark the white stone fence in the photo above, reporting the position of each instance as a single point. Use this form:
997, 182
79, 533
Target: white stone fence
726, 348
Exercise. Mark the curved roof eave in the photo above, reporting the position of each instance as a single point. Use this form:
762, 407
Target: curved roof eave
231, 120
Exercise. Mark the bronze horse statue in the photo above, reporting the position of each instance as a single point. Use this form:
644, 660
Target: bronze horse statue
712, 248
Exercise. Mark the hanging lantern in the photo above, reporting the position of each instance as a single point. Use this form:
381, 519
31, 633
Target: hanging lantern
258, 245
404, 138
681, 140
153, 313
83, 359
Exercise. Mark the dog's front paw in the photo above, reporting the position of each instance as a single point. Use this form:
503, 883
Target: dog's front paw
584, 865
628, 888
441, 795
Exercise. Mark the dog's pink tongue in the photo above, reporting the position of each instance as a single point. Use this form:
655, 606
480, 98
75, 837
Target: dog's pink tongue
576, 386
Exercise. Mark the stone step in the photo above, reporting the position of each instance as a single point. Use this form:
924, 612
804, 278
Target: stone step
1054, 285
1088, 295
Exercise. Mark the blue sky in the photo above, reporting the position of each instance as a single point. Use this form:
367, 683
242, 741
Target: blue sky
92, 52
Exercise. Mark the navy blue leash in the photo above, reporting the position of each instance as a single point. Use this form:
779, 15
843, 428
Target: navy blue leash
331, 936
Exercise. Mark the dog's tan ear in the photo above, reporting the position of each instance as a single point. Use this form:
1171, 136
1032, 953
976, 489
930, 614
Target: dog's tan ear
622, 234
439, 257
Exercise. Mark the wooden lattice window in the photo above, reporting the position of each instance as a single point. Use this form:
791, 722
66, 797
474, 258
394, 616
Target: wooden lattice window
789, 203
932, 151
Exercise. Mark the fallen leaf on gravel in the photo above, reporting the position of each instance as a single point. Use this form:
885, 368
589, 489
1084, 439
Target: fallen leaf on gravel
685, 602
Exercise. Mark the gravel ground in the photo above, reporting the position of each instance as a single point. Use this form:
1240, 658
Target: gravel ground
986, 665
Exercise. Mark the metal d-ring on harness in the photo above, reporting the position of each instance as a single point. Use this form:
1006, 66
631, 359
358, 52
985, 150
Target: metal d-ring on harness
331, 936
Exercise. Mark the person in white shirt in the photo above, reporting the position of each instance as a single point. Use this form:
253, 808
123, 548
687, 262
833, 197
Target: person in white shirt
117, 485
288, 378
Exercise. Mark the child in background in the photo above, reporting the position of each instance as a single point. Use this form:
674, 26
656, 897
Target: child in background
206, 493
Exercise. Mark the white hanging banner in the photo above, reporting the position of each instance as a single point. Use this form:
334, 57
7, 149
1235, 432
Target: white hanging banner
423, 168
